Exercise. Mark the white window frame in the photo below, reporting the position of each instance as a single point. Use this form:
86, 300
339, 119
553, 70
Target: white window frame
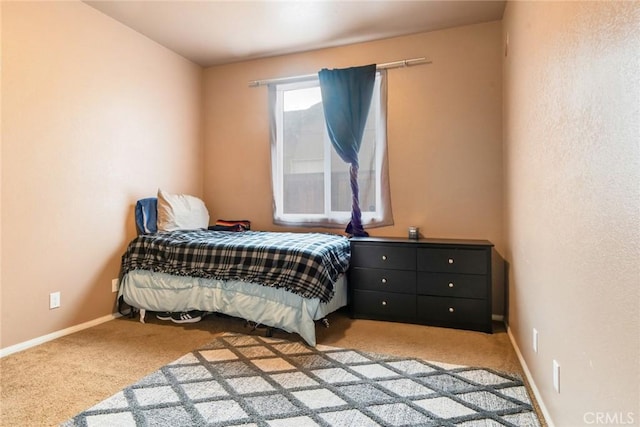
329, 218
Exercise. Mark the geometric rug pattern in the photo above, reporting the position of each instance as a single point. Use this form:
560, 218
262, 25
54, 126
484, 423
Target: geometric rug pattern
252, 381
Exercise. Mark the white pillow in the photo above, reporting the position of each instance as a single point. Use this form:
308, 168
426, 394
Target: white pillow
181, 212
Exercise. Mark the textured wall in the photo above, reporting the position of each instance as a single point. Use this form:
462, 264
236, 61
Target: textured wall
94, 116
572, 211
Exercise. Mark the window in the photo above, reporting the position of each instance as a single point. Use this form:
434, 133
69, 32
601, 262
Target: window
310, 181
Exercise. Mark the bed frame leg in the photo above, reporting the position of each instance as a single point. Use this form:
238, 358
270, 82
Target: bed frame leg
142, 314
268, 331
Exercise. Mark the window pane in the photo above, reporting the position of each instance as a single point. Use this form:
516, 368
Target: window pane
341, 184
340, 187
303, 151
367, 175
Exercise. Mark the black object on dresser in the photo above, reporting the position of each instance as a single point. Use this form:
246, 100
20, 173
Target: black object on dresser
439, 282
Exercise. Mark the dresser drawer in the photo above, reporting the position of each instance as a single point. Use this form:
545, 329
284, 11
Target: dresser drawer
452, 285
383, 256
375, 279
384, 306
453, 260
443, 310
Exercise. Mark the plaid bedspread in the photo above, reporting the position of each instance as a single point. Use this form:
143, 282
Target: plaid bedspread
307, 264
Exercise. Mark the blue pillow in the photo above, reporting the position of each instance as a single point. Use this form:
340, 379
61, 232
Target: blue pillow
147, 215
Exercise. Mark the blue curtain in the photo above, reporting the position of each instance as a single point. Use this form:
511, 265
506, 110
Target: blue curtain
346, 98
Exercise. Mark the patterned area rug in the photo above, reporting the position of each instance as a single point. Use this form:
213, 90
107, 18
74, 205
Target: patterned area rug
240, 380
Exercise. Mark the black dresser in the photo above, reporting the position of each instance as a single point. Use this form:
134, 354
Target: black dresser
439, 282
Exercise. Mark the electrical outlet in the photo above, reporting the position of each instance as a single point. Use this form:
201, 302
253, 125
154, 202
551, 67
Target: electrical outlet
115, 285
54, 300
535, 340
556, 376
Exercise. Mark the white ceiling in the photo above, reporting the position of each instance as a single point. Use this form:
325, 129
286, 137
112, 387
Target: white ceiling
217, 32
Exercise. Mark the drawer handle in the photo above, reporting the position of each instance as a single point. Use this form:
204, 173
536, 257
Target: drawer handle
384, 257
384, 280
451, 284
451, 310
450, 260
384, 303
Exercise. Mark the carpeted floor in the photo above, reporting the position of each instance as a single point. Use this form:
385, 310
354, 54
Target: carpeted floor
50, 383
257, 381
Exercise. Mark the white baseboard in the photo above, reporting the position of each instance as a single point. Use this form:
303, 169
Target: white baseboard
532, 384
52, 336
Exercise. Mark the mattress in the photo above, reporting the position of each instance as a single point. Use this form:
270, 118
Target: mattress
303, 263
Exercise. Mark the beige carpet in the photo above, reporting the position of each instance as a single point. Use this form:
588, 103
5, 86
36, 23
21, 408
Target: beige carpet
48, 384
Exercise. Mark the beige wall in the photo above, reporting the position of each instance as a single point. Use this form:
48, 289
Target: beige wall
94, 116
444, 133
572, 169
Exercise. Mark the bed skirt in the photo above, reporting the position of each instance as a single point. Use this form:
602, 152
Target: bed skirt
274, 307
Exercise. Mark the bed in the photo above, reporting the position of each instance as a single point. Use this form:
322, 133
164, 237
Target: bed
281, 280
